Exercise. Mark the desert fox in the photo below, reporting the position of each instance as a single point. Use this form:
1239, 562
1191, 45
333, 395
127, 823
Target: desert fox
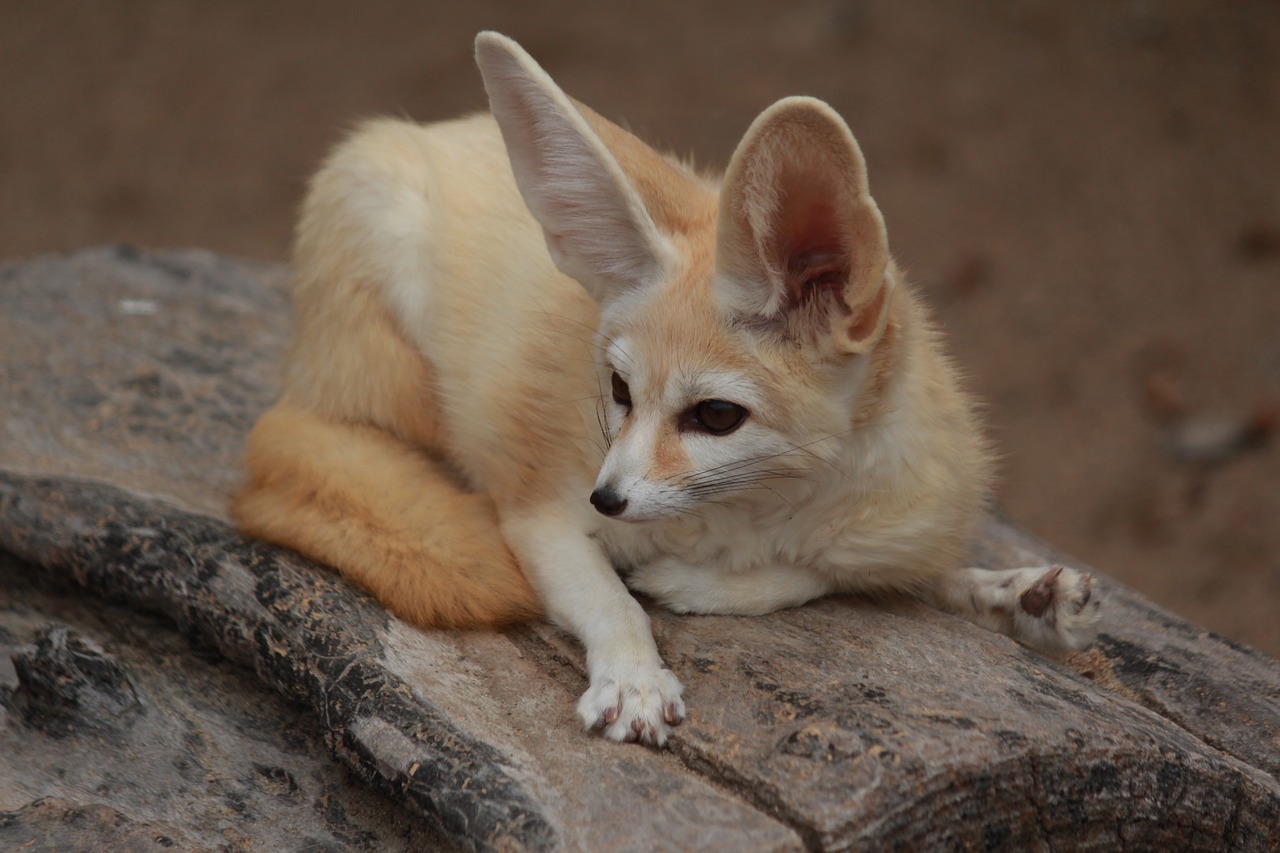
532, 353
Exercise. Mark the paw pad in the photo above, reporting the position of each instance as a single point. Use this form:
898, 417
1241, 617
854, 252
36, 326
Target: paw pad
1040, 596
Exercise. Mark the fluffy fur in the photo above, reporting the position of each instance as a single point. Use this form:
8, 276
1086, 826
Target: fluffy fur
502, 317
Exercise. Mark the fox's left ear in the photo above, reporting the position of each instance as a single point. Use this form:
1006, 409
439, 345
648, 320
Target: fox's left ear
598, 230
800, 239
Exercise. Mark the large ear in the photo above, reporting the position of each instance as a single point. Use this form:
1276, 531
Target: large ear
800, 240
596, 227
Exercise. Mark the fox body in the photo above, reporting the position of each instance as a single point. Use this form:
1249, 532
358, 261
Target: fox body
531, 352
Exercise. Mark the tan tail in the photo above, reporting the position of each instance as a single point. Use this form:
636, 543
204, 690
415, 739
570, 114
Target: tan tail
385, 514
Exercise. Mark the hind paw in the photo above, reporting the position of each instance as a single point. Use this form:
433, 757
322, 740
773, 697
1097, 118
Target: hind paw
1057, 609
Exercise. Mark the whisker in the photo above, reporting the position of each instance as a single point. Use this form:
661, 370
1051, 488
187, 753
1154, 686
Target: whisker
602, 418
735, 465
782, 473
745, 477
736, 485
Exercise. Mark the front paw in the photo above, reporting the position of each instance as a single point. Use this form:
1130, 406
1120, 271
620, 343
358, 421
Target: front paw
633, 704
1058, 610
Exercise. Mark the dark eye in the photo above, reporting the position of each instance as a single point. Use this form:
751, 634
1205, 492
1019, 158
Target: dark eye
621, 393
718, 417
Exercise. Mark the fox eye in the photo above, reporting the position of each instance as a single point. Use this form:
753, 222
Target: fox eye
621, 393
718, 417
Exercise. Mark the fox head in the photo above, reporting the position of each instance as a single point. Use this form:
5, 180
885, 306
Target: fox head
742, 327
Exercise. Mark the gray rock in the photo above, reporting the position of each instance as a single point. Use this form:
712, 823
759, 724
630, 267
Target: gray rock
130, 381
117, 734
66, 682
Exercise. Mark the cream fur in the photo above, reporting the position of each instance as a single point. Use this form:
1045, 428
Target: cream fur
447, 406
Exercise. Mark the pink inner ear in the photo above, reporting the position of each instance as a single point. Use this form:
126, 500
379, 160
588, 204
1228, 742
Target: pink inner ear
814, 242
813, 273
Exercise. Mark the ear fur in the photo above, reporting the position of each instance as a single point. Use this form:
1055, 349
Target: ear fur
596, 226
800, 241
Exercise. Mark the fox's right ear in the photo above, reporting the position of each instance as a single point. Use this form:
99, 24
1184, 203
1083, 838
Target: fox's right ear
597, 229
801, 243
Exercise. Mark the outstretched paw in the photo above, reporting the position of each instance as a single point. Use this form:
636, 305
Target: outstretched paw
1058, 610
634, 705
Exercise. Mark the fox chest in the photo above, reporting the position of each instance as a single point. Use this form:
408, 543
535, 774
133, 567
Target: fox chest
724, 541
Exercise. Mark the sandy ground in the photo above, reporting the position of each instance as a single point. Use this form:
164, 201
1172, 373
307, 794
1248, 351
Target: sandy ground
1089, 192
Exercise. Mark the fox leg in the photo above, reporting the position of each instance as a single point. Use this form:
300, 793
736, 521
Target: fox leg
385, 515
686, 588
1047, 607
631, 696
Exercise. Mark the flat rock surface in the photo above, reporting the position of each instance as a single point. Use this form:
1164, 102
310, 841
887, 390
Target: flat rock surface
129, 381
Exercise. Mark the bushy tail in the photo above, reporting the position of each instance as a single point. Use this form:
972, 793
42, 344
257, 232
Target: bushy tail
386, 516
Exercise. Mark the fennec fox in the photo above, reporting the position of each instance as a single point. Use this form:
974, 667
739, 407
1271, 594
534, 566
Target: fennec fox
531, 353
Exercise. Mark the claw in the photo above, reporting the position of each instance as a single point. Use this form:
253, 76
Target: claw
633, 707
1086, 592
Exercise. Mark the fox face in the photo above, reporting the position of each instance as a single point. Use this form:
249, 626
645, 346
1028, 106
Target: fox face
697, 409
738, 320
683, 429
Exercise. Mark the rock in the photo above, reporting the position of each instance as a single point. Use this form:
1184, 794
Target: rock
173, 749
52, 826
66, 682
847, 723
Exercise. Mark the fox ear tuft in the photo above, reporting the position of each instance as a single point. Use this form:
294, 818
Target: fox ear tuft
800, 239
597, 229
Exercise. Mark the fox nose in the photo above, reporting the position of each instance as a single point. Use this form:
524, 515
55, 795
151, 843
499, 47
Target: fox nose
608, 502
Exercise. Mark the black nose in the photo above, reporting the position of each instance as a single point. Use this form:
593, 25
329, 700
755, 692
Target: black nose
608, 502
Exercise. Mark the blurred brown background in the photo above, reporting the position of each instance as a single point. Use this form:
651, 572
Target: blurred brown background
1089, 192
